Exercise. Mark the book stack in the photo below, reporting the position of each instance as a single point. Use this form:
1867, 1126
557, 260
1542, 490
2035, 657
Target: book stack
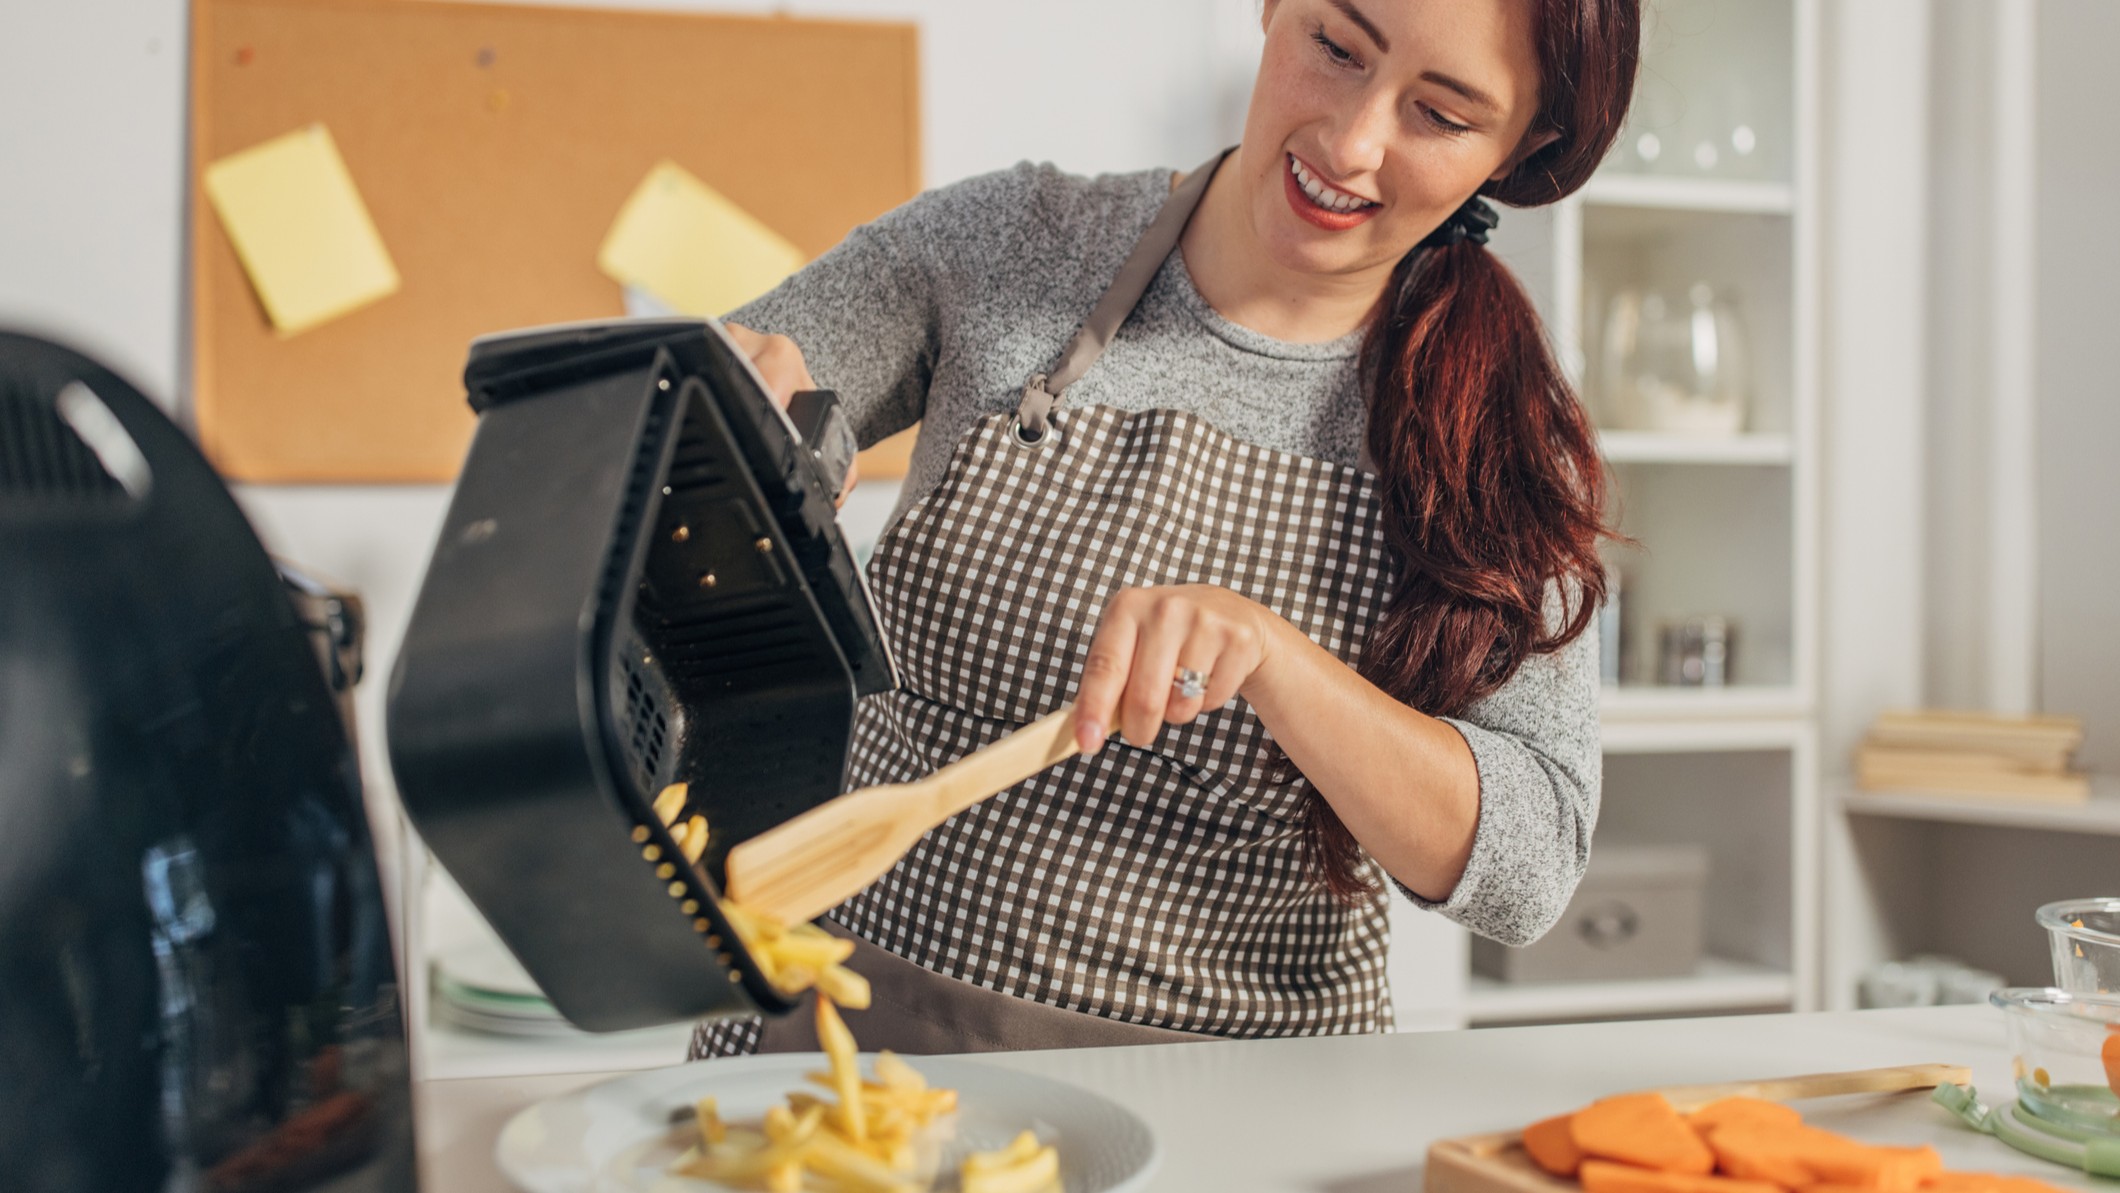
1975, 754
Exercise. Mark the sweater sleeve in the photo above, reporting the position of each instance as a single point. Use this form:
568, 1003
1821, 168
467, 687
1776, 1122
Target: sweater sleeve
1536, 743
864, 316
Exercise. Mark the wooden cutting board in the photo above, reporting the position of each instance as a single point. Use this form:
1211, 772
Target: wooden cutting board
1497, 1163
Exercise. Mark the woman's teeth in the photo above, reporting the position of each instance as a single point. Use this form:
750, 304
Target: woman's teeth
1321, 194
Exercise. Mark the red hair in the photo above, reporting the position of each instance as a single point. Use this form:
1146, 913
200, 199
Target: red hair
1492, 488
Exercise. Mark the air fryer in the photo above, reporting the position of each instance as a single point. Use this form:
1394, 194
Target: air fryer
197, 989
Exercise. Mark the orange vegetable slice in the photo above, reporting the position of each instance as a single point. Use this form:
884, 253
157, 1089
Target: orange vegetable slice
1604, 1176
1838, 1160
1756, 1153
1985, 1182
2110, 1054
1751, 1112
1551, 1145
1641, 1129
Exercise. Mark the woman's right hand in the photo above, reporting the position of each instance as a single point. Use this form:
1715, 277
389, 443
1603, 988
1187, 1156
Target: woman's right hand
780, 362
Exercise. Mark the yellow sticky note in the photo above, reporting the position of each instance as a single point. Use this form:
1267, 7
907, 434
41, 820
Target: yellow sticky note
300, 229
688, 245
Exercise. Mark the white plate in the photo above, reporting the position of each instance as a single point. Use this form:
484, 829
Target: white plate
619, 1136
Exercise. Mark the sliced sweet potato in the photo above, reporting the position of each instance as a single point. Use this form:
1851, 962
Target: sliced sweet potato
1551, 1146
1838, 1160
1641, 1129
1758, 1153
2110, 1054
1605, 1176
1986, 1182
1750, 1112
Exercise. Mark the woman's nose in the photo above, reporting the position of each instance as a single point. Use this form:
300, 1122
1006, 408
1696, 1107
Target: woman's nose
1355, 139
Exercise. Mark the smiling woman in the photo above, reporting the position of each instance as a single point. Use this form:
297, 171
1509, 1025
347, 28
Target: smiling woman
1267, 468
1493, 490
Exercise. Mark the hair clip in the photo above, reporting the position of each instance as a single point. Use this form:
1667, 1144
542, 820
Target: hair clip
1471, 221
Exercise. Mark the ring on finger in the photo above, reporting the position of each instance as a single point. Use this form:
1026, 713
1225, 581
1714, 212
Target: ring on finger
1191, 684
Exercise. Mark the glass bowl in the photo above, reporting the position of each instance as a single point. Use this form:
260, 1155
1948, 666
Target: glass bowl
2057, 1046
2085, 937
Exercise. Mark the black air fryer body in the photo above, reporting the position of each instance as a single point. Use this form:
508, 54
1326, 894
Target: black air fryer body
196, 982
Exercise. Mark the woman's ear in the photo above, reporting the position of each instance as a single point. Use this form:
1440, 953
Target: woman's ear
1532, 143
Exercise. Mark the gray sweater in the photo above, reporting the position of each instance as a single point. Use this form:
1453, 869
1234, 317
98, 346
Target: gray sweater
939, 311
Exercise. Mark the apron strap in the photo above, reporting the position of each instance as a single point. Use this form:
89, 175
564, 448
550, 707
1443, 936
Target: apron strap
1089, 341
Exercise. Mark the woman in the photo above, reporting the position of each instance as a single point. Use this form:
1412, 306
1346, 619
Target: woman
1304, 512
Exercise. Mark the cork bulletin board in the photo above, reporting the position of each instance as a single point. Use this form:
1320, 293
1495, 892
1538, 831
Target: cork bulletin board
493, 145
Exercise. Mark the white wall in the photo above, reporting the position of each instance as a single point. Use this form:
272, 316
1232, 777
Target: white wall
2078, 413
1961, 153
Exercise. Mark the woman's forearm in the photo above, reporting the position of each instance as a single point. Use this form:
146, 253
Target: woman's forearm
1404, 783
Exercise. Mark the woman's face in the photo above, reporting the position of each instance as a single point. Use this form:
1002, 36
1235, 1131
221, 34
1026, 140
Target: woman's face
1373, 120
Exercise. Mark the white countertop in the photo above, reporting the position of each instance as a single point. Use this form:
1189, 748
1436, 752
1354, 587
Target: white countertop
1356, 1114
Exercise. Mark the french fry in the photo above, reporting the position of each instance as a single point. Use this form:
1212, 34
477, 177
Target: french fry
840, 1160
814, 950
1021, 1167
838, 1044
843, 986
894, 1073
695, 840
1021, 1148
712, 1130
670, 802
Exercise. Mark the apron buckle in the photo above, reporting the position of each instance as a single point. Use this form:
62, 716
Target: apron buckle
1031, 427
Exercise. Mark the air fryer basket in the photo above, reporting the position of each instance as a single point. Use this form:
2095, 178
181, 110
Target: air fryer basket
640, 582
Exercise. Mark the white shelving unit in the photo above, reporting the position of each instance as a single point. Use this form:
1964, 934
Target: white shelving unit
1649, 447
1692, 194
1727, 525
2098, 816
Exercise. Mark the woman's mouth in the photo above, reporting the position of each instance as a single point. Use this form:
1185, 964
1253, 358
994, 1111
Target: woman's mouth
1321, 203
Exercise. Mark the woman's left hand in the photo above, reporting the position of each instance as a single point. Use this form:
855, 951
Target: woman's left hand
1145, 636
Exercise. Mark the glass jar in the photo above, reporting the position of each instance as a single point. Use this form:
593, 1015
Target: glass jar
2058, 1044
2085, 937
1675, 362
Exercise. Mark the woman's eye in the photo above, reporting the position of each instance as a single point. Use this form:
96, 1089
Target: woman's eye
1333, 50
1444, 123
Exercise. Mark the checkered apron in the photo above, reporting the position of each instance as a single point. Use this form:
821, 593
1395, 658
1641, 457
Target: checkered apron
1165, 885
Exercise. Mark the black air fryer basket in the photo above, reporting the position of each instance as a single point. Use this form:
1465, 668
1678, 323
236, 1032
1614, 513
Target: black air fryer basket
640, 581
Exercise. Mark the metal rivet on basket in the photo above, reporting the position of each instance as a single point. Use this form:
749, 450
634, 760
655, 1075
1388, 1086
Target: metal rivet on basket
764, 545
677, 890
689, 907
663, 384
640, 833
700, 925
708, 580
652, 852
666, 870
680, 534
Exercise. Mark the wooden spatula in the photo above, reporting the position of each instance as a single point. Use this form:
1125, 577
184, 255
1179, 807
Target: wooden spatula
801, 869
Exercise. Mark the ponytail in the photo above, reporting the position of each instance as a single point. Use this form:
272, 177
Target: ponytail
1488, 471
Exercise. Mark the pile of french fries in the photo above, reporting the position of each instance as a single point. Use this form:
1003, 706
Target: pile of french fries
690, 833
866, 1137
